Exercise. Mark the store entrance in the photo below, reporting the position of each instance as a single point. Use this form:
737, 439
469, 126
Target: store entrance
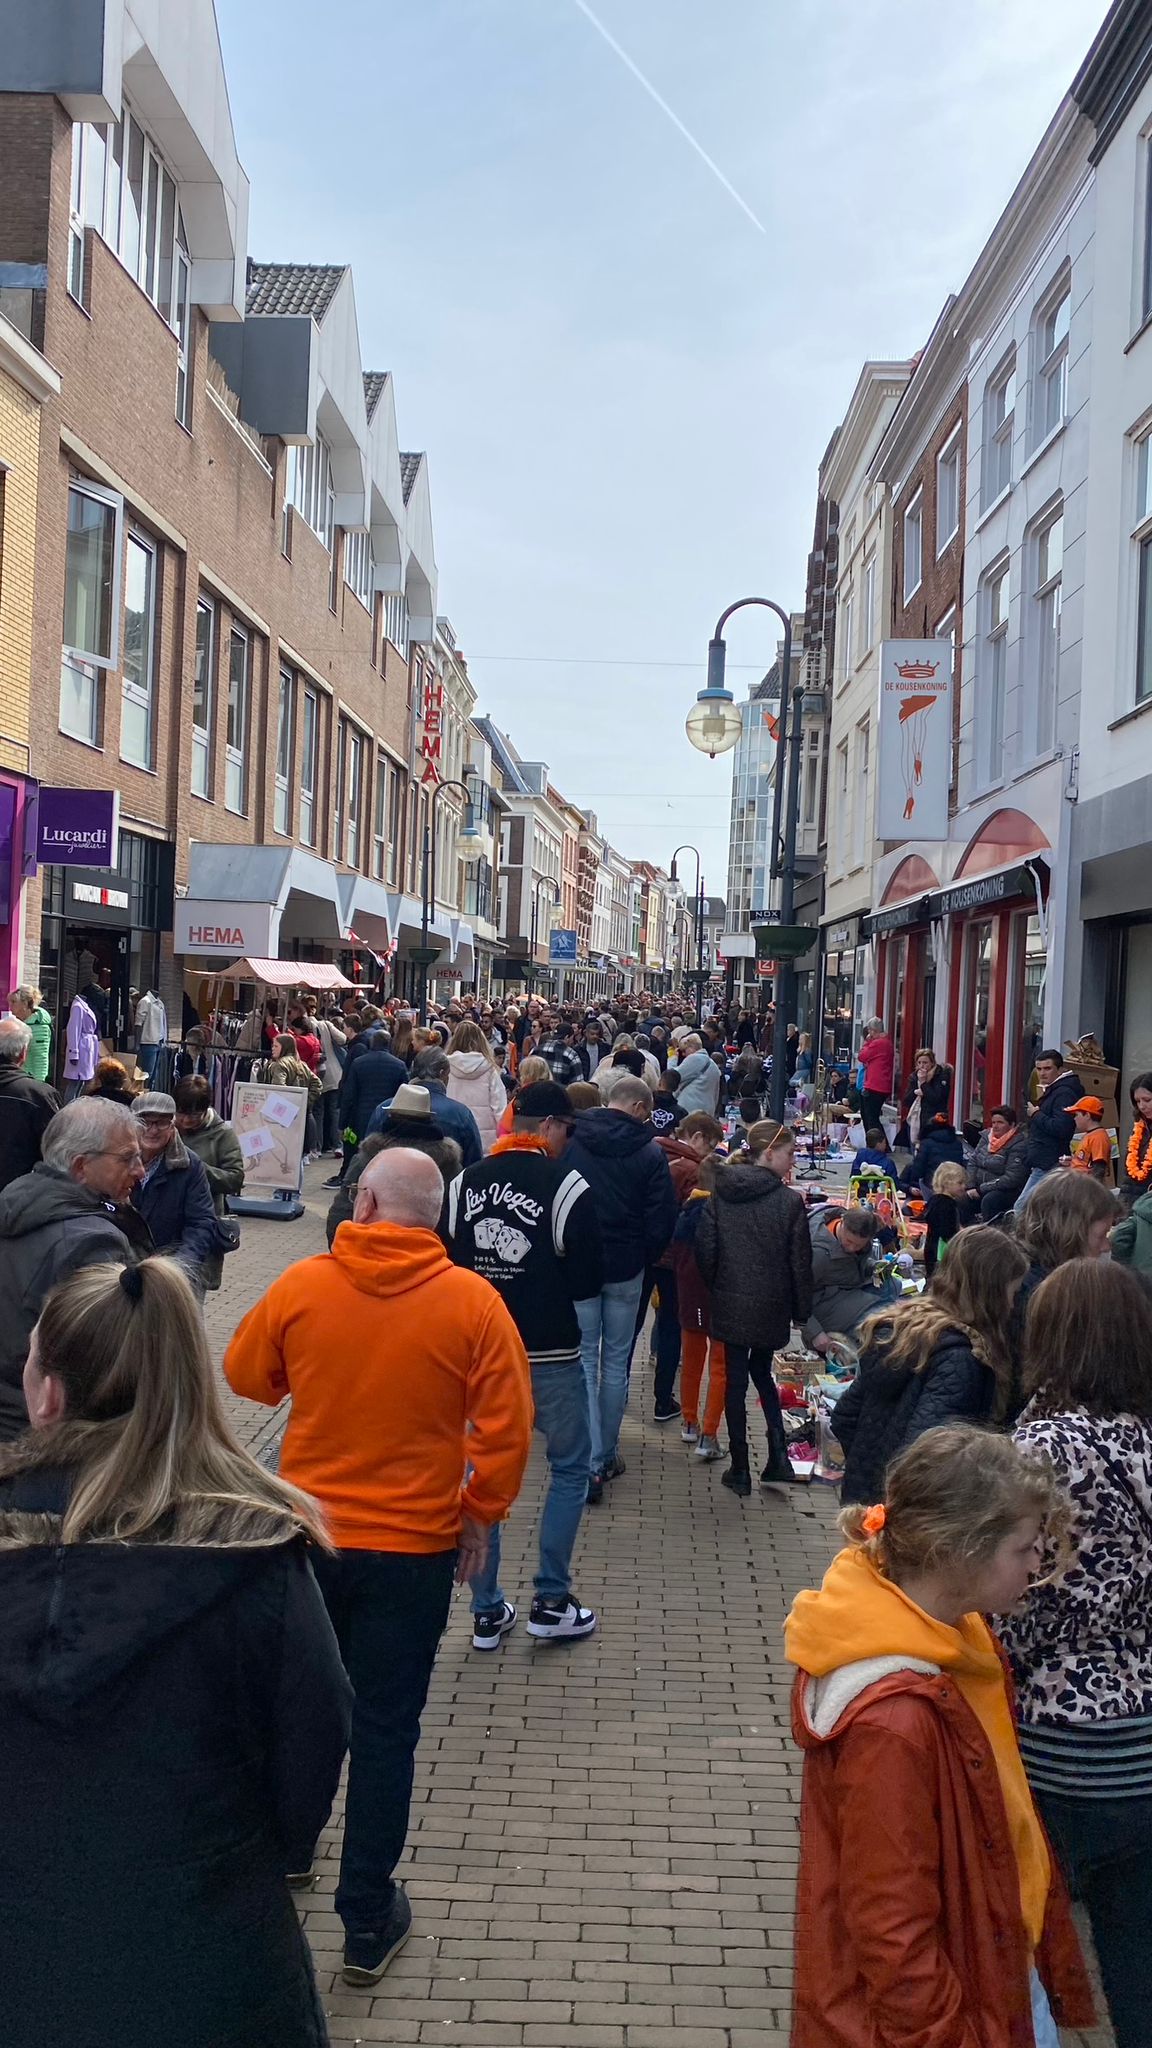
88, 960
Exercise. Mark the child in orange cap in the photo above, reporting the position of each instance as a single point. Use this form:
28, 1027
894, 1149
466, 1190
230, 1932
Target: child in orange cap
1094, 1153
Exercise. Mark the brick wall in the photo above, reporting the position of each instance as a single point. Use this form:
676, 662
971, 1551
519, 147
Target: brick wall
940, 583
20, 451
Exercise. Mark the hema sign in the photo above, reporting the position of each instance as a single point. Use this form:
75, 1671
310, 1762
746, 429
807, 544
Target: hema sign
914, 740
231, 928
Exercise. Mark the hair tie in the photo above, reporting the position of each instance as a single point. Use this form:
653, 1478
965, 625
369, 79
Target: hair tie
132, 1281
875, 1519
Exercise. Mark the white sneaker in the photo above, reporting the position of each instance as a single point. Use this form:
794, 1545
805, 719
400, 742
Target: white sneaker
689, 1433
709, 1448
489, 1630
552, 1620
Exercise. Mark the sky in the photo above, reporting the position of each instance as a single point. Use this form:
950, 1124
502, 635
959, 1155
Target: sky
625, 350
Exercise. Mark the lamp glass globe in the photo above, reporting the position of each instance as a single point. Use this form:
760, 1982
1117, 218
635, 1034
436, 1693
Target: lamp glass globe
713, 725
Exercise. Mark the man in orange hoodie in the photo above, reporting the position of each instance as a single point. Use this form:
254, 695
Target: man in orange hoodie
411, 1421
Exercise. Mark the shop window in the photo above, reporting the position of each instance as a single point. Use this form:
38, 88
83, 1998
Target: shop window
1044, 622
285, 719
948, 493
139, 685
977, 1000
309, 757
203, 698
999, 428
236, 745
996, 598
1050, 345
913, 546
1028, 976
91, 606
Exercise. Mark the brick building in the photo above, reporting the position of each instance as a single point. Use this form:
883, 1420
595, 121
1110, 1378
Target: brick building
236, 580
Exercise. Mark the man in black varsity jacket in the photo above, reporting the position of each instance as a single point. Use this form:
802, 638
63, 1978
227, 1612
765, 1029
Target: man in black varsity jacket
527, 1224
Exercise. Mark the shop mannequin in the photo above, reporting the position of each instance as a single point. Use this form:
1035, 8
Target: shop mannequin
83, 1048
151, 1031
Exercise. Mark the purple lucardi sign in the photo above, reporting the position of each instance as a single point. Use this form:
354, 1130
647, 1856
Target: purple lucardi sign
78, 827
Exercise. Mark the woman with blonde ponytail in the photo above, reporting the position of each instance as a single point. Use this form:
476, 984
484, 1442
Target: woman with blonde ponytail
173, 1709
929, 1904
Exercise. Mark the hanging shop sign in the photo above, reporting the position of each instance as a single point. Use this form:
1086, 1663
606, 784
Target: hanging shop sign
95, 896
77, 827
983, 890
915, 739
432, 733
230, 928
562, 949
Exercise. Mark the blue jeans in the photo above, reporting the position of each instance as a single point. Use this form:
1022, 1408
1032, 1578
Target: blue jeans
1043, 2024
1034, 1179
607, 1325
1105, 1846
561, 1402
388, 1609
146, 1058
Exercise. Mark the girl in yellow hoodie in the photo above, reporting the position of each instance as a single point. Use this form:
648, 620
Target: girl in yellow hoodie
930, 1913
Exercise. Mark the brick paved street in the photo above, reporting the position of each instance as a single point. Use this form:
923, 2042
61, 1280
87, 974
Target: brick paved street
604, 1834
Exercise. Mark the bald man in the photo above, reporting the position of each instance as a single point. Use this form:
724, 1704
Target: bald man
405, 1371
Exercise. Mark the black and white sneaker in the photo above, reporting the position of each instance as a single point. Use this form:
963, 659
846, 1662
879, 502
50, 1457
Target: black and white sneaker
368, 1953
666, 1411
551, 1622
488, 1630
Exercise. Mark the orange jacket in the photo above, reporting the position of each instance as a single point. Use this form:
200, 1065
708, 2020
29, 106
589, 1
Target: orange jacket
921, 1855
389, 1352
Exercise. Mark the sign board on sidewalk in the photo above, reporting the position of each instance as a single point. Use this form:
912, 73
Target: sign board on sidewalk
562, 949
270, 1122
914, 752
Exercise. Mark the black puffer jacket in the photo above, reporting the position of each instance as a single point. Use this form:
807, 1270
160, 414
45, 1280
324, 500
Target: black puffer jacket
27, 1107
632, 1191
1052, 1127
173, 1718
754, 1250
887, 1407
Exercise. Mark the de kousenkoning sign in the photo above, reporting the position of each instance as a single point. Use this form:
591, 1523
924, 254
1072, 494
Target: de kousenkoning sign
77, 828
914, 739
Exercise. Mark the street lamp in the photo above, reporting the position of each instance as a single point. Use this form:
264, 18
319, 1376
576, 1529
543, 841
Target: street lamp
790, 940
424, 955
699, 977
541, 882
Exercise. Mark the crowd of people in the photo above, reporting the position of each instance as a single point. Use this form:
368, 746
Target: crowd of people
516, 1187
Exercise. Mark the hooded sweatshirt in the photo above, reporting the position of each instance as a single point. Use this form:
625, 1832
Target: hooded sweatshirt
632, 1191
475, 1081
389, 1352
860, 1628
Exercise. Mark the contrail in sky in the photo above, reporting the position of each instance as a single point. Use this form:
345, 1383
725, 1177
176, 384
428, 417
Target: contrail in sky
662, 103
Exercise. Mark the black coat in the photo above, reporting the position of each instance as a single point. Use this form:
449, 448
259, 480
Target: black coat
173, 1720
176, 1204
887, 1407
935, 1100
631, 1187
1051, 1126
50, 1227
370, 1078
754, 1250
939, 1145
27, 1107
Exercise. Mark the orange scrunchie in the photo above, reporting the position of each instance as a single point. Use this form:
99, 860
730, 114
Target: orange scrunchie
875, 1519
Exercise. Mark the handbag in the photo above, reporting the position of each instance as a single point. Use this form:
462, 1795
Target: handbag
227, 1235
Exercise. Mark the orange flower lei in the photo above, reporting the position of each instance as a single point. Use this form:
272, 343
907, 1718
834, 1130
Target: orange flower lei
1137, 1168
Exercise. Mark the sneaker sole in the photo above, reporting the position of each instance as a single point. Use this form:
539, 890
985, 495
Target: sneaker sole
352, 1973
484, 1643
544, 1634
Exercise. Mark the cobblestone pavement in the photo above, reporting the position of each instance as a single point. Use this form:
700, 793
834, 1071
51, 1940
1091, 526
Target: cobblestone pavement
603, 1841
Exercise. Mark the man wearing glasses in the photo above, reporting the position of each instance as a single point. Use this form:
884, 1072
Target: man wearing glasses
525, 1221
55, 1220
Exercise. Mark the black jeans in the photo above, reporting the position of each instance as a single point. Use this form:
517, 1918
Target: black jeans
747, 1362
872, 1109
1105, 1846
389, 1611
329, 1121
667, 1336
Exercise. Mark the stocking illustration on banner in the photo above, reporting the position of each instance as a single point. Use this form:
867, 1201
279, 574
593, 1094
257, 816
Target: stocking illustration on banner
913, 732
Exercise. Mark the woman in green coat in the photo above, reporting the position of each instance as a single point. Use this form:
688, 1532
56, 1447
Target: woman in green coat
28, 1005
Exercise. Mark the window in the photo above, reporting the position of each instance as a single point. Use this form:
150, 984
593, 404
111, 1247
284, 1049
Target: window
309, 756
1049, 564
395, 823
842, 800
996, 601
1146, 280
847, 613
913, 546
948, 493
121, 187
181, 321
1052, 364
358, 566
203, 698
308, 486
999, 426
860, 812
282, 809
868, 606
236, 745
355, 798
139, 653
1142, 536
396, 623
811, 779
76, 218
380, 820
91, 606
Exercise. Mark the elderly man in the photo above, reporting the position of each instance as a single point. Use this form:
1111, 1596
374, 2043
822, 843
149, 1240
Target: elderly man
700, 1077
431, 1070
406, 1374
27, 1107
57, 1218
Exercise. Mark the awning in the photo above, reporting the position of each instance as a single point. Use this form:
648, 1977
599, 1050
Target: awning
240, 898
314, 974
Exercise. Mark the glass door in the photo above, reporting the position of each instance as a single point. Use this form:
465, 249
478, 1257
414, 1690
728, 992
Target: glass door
977, 990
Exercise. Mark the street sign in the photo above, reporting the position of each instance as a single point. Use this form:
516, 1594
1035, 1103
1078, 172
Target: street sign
767, 968
562, 949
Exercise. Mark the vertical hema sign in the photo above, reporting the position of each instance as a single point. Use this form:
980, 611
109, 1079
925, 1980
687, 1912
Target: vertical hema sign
77, 828
914, 750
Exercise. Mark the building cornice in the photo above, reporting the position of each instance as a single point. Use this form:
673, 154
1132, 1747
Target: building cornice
25, 364
876, 383
1117, 66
